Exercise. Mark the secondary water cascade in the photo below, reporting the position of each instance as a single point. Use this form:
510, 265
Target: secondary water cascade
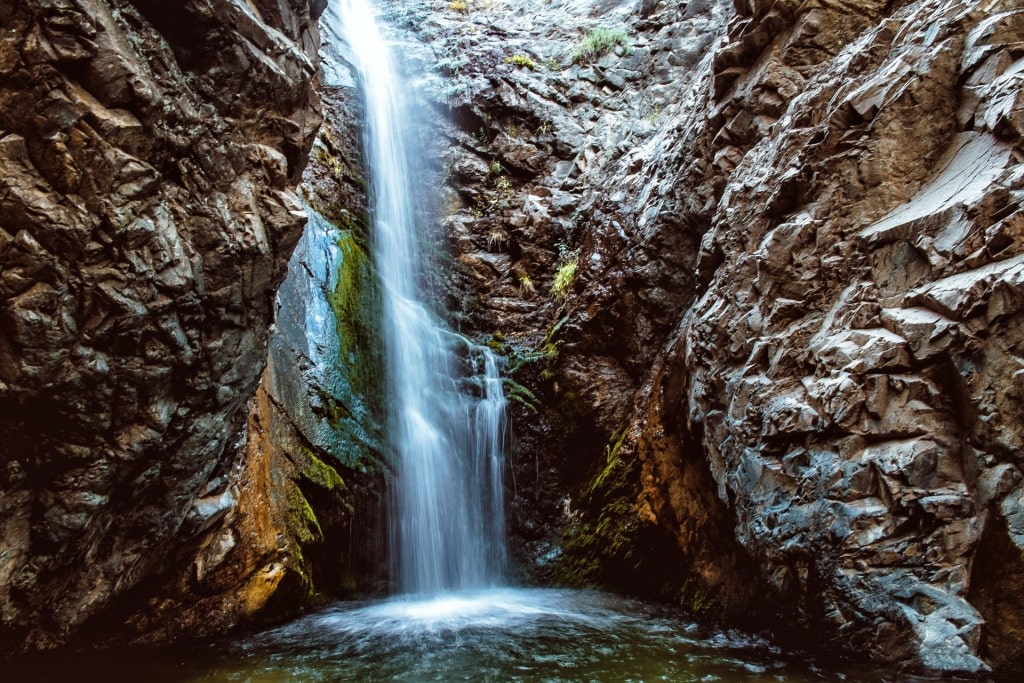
445, 396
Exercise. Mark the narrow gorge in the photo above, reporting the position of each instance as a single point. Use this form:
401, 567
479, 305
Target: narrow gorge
751, 272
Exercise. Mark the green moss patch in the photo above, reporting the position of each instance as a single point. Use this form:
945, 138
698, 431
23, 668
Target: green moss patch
599, 547
523, 61
302, 521
356, 304
322, 474
607, 546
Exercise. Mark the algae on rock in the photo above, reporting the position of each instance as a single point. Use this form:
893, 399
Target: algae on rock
607, 544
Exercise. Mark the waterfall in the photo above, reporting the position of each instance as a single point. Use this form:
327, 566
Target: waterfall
446, 405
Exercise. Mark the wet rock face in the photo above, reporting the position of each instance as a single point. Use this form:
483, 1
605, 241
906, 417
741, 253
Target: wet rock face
790, 341
148, 155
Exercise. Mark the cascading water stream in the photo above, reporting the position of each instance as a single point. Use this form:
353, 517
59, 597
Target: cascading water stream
445, 396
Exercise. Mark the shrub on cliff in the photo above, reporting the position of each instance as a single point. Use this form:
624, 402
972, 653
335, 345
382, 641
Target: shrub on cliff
598, 42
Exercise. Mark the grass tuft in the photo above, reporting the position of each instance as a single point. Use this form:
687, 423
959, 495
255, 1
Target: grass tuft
598, 42
564, 278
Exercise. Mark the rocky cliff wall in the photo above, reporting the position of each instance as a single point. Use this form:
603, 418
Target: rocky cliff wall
148, 158
851, 369
298, 516
756, 268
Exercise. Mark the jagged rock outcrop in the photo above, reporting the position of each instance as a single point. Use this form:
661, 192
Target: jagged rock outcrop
851, 368
788, 336
148, 158
299, 516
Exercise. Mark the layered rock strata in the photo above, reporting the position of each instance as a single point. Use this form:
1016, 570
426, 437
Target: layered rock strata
148, 158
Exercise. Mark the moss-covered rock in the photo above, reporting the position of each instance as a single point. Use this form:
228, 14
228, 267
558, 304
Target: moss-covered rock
355, 302
322, 474
598, 547
608, 544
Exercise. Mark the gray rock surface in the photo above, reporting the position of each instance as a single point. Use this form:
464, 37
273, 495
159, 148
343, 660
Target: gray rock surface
851, 430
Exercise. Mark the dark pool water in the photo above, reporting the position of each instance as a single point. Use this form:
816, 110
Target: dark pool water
494, 635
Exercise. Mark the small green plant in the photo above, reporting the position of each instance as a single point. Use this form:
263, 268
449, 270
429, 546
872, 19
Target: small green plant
576, 219
521, 60
495, 239
526, 288
564, 278
459, 6
494, 168
501, 199
516, 392
598, 42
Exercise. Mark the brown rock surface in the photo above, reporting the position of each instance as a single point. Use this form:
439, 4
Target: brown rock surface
298, 517
148, 156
